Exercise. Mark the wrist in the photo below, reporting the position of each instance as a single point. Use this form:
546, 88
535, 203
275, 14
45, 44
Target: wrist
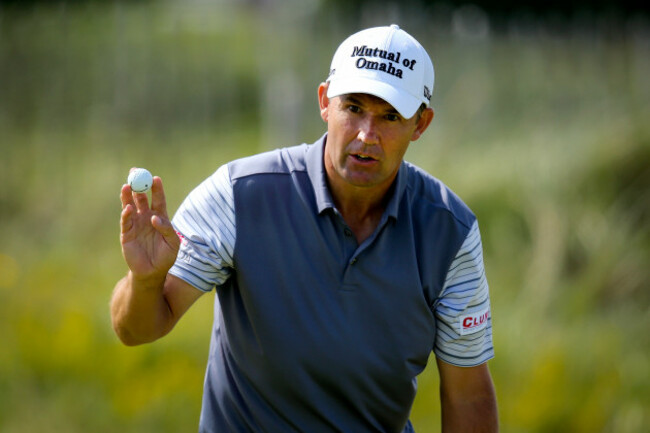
148, 281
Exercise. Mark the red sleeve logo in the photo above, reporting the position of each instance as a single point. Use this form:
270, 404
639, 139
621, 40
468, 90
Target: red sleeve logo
181, 238
472, 323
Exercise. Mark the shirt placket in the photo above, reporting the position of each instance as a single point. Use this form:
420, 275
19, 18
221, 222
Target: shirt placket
353, 251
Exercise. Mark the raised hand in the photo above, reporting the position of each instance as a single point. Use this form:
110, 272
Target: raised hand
149, 241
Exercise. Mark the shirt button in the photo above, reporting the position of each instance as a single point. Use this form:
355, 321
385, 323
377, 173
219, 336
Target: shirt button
347, 232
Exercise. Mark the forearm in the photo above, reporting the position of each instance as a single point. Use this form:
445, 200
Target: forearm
477, 415
139, 310
468, 399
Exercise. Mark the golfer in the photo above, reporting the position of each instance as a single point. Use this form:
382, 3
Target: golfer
338, 267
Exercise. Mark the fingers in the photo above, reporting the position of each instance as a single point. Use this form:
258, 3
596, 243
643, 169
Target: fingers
137, 199
128, 206
126, 196
126, 222
132, 204
158, 201
140, 201
166, 229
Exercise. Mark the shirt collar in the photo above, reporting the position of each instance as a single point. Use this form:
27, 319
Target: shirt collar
316, 171
317, 176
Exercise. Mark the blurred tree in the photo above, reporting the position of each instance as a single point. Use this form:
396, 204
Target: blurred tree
30, 3
493, 7
509, 7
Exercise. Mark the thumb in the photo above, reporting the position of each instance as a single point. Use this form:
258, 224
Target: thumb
165, 228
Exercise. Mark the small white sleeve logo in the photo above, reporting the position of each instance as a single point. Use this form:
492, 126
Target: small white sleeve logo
474, 322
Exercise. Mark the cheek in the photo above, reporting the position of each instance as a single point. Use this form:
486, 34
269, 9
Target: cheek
398, 151
341, 119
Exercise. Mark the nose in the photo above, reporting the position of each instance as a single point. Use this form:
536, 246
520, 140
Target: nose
368, 130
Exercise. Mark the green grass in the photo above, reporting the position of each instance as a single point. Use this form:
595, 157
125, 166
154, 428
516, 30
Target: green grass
545, 136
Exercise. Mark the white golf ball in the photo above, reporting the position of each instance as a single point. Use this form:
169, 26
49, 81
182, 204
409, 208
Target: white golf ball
140, 180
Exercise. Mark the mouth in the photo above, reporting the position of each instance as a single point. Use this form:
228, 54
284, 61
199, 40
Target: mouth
362, 157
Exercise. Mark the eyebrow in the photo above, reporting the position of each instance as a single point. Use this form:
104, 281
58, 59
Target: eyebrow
352, 99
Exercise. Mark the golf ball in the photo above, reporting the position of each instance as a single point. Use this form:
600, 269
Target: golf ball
140, 180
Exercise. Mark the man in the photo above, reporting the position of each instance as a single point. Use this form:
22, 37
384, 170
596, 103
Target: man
338, 267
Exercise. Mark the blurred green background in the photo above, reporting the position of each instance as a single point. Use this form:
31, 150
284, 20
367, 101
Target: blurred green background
542, 127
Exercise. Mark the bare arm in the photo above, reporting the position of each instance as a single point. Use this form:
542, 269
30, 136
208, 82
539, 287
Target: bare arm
143, 312
148, 302
468, 399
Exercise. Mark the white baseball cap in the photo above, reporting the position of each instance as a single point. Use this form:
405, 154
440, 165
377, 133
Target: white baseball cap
385, 62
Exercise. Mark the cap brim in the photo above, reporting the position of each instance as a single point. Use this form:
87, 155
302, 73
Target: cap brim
404, 103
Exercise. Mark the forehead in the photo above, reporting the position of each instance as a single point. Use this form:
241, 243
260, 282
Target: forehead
365, 99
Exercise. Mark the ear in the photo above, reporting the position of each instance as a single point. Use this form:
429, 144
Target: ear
323, 100
423, 123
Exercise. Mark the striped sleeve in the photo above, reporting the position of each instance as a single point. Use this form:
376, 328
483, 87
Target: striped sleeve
464, 322
205, 222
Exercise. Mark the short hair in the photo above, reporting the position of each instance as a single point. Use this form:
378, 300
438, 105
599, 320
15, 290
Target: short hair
418, 113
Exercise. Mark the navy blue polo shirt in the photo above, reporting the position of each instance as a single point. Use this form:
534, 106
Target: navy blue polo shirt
314, 332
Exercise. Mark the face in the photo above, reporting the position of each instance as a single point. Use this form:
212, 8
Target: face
367, 139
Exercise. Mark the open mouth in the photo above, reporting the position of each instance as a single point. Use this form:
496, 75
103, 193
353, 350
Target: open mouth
363, 158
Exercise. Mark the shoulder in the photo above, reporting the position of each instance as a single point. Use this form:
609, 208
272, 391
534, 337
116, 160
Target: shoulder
430, 194
278, 161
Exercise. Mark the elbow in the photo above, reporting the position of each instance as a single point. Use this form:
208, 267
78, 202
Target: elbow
140, 334
135, 325
130, 338
126, 337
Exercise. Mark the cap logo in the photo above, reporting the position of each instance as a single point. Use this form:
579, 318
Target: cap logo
427, 93
388, 67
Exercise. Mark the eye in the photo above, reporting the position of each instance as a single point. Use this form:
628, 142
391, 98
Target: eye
354, 108
392, 117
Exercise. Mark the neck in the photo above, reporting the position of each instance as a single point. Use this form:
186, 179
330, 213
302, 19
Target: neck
361, 204
361, 208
